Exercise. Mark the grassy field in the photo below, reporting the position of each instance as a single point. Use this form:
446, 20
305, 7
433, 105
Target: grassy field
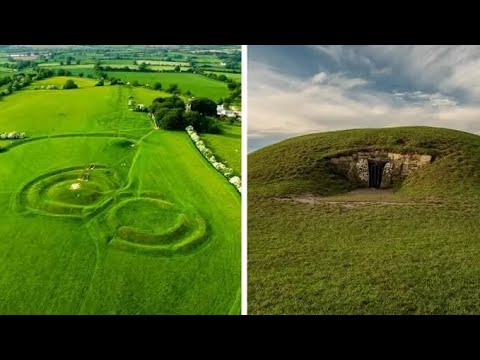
197, 84
227, 146
88, 68
146, 61
318, 246
56, 65
101, 214
5, 70
59, 81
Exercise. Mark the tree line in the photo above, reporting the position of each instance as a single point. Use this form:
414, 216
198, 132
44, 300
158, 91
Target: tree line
170, 113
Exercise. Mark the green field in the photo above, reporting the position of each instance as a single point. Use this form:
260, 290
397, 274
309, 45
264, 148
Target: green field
197, 84
88, 68
123, 62
59, 81
101, 214
318, 245
227, 146
56, 65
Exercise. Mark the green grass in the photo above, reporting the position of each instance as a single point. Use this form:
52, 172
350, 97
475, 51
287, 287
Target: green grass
111, 245
197, 84
56, 66
59, 81
414, 254
123, 62
227, 146
88, 68
5, 70
89, 109
200, 86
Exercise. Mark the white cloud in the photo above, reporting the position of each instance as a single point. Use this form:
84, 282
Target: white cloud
335, 101
425, 99
448, 68
338, 79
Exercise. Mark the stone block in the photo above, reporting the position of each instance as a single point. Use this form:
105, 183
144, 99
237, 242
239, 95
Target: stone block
425, 159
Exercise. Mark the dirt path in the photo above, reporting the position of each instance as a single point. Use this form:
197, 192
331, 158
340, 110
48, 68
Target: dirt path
358, 197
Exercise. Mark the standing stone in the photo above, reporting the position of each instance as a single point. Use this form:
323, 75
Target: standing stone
362, 171
387, 175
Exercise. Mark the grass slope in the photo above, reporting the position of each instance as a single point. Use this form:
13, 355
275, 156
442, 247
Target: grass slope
415, 253
94, 109
227, 146
54, 260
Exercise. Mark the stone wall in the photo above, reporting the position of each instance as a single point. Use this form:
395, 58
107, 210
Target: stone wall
355, 166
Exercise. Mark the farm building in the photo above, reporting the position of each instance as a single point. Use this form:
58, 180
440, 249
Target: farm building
221, 111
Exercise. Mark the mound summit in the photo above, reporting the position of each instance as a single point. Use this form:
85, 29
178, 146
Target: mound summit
365, 221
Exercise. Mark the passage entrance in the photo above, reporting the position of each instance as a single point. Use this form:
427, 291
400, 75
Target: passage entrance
375, 171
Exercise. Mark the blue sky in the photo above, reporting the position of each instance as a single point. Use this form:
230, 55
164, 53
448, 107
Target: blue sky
295, 90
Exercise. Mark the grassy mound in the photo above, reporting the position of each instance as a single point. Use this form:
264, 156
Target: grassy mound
298, 165
68, 191
158, 225
316, 247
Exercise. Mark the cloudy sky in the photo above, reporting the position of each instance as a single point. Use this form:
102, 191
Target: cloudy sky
294, 90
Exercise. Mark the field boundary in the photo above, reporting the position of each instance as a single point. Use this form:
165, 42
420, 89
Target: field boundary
210, 157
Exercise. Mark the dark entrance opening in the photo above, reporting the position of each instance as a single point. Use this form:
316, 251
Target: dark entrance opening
375, 171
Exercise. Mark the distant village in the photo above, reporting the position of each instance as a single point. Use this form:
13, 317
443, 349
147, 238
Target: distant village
29, 56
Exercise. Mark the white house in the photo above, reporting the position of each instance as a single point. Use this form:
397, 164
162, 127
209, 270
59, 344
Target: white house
221, 111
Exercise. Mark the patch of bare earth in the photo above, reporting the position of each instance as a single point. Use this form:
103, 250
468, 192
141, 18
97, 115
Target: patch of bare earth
357, 197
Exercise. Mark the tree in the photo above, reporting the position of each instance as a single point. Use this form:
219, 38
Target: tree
201, 123
78, 62
135, 62
27, 80
80, 74
176, 68
143, 67
173, 102
172, 119
61, 72
100, 82
61, 63
173, 89
233, 85
195, 119
222, 77
70, 84
157, 86
135, 83
204, 106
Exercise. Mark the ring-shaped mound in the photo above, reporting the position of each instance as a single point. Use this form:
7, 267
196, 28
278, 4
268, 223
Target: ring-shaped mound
154, 226
74, 192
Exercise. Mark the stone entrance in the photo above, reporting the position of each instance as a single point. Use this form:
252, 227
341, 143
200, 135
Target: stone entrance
375, 172
377, 169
